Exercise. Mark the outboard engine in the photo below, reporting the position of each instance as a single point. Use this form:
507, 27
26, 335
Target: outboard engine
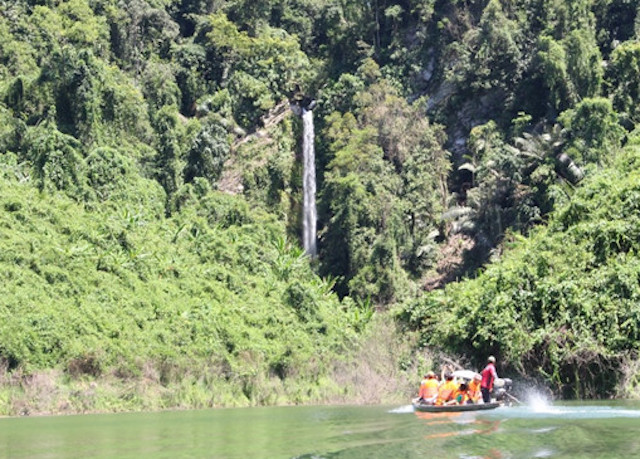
501, 389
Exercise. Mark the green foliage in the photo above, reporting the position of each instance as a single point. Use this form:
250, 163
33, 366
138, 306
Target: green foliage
594, 128
270, 174
56, 159
561, 305
122, 289
624, 79
498, 58
616, 20
191, 59
552, 58
169, 159
259, 70
113, 176
383, 190
160, 87
18, 57
72, 22
571, 68
120, 120
563, 17
207, 154
584, 63
140, 30
488, 56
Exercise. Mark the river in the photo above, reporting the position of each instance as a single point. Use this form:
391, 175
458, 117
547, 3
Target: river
569, 430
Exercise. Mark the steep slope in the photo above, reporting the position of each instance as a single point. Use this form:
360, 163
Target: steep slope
561, 306
213, 297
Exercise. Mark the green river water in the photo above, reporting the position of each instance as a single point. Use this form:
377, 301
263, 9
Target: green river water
573, 430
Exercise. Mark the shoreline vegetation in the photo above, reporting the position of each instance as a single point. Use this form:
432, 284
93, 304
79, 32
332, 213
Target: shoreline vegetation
477, 193
211, 307
368, 376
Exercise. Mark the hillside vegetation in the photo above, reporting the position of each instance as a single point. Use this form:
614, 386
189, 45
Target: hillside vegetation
215, 298
476, 186
563, 305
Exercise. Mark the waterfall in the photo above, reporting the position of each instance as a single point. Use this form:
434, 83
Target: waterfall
309, 216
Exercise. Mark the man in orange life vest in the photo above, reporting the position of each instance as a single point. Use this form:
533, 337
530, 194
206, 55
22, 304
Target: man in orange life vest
428, 388
446, 390
474, 389
489, 375
460, 395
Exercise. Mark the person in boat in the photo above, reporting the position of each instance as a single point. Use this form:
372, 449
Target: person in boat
460, 395
489, 375
421, 390
428, 388
474, 389
446, 390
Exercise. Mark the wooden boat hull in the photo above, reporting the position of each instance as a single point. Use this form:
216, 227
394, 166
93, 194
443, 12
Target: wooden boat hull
454, 408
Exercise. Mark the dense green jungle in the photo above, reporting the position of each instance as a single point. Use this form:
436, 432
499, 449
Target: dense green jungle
478, 177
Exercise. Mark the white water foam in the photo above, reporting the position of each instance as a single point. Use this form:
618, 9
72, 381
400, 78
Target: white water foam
538, 402
543, 430
538, 405
568, 412
402, 409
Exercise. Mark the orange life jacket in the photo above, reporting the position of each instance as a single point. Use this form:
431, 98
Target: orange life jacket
428, 388
460, 396
474, 390
445, 392
422, 386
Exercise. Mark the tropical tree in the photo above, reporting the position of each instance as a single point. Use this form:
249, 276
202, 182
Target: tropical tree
623, 79
594, 130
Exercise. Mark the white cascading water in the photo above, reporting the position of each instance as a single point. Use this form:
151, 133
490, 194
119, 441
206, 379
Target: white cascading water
309, 184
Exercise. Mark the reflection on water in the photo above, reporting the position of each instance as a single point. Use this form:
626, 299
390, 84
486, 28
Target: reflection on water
538, 430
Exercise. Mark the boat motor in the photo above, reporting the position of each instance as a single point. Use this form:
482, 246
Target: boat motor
501, 388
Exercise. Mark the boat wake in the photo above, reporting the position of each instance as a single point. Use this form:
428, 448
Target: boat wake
569, 412
402, 409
